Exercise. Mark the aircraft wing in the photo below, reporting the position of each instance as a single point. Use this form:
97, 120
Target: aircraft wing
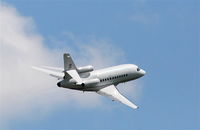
112, 92
69, 71
53, 68
58, 75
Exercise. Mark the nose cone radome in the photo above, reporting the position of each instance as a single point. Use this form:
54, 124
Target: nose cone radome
142, 72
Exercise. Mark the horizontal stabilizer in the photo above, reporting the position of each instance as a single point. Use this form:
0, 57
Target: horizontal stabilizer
75, 76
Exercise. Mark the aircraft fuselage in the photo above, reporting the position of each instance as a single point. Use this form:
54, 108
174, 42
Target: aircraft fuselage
101, 78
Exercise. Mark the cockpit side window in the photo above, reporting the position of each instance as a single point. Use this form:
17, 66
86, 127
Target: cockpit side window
138, 69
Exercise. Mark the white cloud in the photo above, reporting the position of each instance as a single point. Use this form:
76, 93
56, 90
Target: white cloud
24, 91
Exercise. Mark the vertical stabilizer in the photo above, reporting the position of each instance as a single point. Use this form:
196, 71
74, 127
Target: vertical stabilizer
68, 62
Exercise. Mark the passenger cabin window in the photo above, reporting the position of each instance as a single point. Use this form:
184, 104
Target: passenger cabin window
116, 77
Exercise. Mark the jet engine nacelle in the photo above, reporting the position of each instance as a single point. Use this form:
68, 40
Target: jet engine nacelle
90, 82
85, 69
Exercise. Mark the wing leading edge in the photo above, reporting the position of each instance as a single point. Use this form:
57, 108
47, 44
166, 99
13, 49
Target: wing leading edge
112, 92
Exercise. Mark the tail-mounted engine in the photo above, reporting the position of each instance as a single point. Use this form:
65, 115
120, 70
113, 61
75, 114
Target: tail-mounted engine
85, 69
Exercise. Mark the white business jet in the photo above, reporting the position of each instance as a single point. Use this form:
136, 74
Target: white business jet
103, 81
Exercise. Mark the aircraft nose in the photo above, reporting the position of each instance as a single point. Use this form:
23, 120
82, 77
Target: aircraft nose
142, 72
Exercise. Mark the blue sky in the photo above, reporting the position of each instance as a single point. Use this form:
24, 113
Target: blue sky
162, 37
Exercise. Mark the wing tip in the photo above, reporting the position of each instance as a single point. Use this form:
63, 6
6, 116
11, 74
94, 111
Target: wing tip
135, 107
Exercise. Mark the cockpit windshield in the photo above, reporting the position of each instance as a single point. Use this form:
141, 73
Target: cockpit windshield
138, 69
